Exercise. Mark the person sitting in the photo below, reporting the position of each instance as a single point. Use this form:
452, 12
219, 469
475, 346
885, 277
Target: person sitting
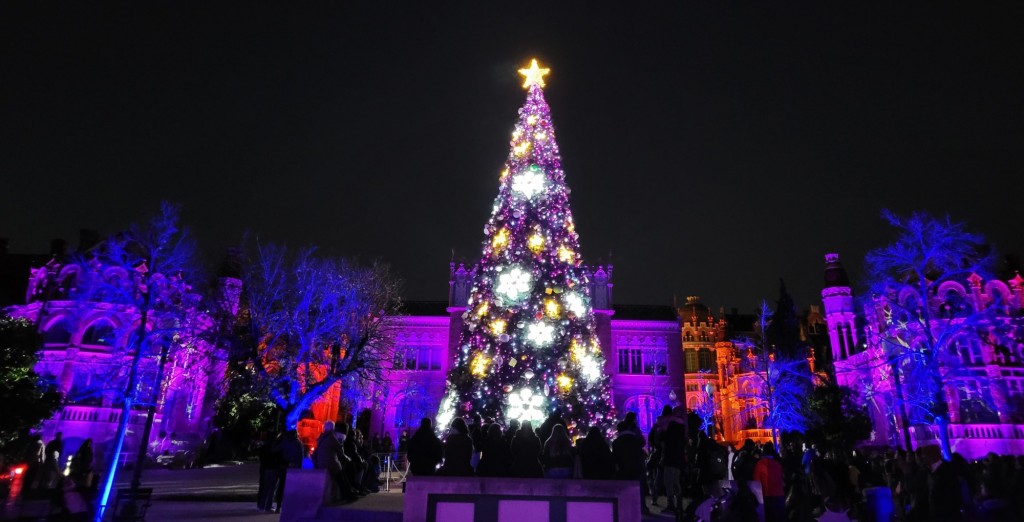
328, 455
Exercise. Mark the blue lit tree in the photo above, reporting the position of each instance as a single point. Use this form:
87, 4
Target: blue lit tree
315, 322
146, 272
923, 335
783, 382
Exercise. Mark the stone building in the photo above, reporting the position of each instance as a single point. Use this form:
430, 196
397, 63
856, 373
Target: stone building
85, 351
983, 382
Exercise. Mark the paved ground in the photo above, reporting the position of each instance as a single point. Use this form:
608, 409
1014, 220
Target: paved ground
228, 494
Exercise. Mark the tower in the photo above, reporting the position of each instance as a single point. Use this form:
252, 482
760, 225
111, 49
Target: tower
839, 309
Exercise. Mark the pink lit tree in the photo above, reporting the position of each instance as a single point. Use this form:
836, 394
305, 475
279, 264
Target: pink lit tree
528, 345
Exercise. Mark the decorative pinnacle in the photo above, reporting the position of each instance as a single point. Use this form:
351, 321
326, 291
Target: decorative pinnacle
533, 75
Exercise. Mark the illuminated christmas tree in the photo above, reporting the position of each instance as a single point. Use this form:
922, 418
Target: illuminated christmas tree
529, 345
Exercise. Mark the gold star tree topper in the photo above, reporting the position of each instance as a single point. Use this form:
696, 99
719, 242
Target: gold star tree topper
534, 74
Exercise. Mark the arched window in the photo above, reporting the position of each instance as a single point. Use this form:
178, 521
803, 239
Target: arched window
100, 333
57, 333
411, 407
647, 409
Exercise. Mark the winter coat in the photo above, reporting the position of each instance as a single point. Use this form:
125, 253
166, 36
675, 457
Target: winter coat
596, 460
496, 460
526, 456
458, 453
329, 453
768, 472
425, 452
628, 451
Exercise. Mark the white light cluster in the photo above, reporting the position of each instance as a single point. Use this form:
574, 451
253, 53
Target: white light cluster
529, 183
575, 304
514, 284
540, 334
590, 369
446, 412
525, 405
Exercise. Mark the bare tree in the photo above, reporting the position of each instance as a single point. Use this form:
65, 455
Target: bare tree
781, 383
923, 332
315, 322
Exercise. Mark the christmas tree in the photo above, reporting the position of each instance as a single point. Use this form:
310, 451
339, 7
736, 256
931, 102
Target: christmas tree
528, 345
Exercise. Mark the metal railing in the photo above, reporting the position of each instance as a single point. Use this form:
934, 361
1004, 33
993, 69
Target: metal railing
394, 467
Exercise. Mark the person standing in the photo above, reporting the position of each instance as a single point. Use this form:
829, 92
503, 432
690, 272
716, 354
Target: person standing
525, 450
458, 451
425, 450
596, 462
290, 453
270, 472
768, 472
673, 462
557, 457
628, 452
496, 460
81, 465
51, 467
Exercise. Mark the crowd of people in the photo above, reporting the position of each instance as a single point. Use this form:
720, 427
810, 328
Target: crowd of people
697, 478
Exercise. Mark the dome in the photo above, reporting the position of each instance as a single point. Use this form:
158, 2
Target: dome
694, 311
835, 274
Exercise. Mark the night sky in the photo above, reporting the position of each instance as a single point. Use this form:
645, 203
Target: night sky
710, 149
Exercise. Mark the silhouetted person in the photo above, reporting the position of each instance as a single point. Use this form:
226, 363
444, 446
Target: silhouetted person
496, 460
557, 457
526, 453
81, 465
458, 451
425, 450
673, 461
290, 453
510, 433
596, 462
628, 451
54, 452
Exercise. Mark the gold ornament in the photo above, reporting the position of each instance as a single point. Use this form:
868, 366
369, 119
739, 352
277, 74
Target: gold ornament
479, 365
564, 382
535, 243
498, 326
500, 239
551, 308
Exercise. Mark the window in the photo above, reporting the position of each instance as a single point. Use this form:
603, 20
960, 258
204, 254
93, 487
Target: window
643, 361
412, 407
691, 361
647, 409
100, 334
417, 358
707, 361
57, 333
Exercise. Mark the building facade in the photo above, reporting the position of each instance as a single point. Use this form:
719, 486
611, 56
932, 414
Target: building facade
976, 323
86, 352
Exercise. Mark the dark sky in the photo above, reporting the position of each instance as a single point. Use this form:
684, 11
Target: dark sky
711, 149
